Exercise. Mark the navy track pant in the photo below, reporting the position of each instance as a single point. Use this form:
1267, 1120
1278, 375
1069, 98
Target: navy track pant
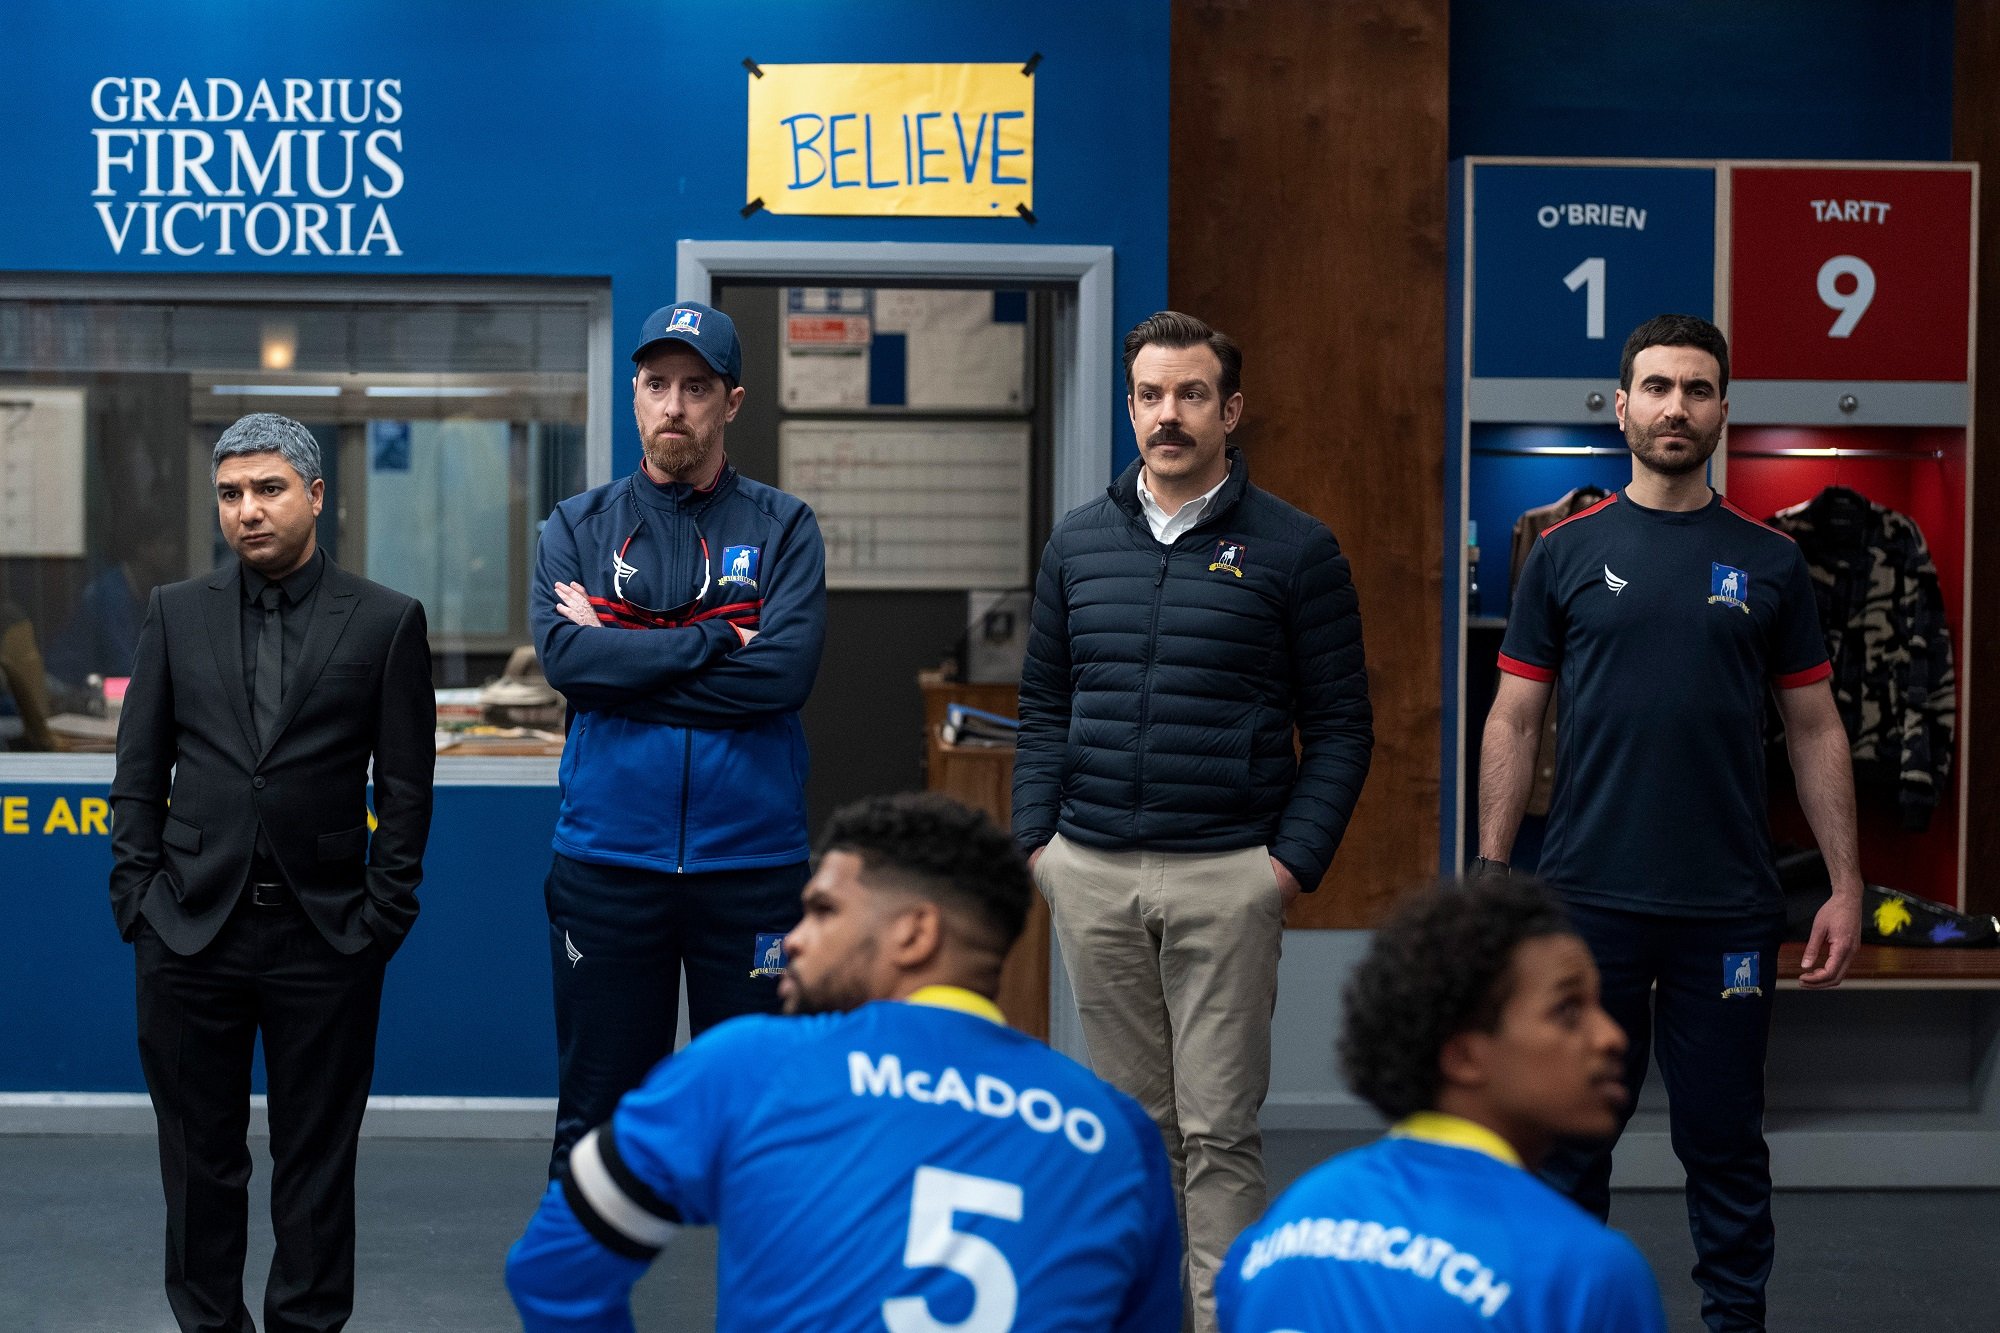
1698, 991
618, 939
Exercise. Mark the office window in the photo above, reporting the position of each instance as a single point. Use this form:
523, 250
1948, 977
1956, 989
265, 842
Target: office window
449, 420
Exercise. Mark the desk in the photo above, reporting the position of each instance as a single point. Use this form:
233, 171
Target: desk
507, 747
81, 733
982, 776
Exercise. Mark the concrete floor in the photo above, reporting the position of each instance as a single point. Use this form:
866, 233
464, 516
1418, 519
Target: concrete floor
80, 1248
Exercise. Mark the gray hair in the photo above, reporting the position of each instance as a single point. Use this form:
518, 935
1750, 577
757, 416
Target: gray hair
265, 433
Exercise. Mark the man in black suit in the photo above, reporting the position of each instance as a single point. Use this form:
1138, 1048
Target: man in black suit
258, 902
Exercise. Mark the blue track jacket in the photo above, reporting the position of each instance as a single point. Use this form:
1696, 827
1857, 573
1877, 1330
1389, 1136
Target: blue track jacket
685, 749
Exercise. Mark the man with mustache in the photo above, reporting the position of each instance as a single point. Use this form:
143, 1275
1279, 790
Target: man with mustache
1185, 624
1668, 615
681, 611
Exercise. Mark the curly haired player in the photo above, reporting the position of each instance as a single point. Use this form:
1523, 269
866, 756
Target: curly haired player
1474, 1026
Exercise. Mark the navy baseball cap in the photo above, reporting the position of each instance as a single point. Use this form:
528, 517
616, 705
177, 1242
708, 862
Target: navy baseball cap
701, 327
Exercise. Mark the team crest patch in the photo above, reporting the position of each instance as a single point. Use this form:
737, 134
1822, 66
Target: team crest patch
739, 565
1740, 975
1729, 586
685, 321
767, 959
1228, 557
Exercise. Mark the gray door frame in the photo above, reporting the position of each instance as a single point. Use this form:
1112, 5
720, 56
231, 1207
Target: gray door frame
1081, 382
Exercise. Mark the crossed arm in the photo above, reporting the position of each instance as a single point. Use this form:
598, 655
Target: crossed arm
707, 674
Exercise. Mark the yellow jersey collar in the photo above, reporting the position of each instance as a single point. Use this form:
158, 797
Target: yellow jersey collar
1455, 1132
959, 998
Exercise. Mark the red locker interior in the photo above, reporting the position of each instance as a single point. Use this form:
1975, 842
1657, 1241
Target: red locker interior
1925, 479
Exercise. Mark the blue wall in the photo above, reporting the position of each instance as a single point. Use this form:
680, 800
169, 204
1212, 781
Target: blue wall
1708, 78
466, 1010
586, 139
546, 139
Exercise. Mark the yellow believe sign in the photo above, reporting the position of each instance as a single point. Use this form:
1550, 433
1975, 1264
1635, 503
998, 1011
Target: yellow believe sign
916, 140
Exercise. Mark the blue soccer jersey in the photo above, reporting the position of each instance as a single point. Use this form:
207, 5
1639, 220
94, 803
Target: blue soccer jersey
1436, 1227
908, 1166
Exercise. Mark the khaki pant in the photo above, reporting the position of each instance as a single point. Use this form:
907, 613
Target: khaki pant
1174, 960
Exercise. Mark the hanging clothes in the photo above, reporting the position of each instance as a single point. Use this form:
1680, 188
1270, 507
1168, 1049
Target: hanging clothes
1883, 615
1540, 519
1527, 528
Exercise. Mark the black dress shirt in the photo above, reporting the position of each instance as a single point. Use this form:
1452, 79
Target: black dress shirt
295, 605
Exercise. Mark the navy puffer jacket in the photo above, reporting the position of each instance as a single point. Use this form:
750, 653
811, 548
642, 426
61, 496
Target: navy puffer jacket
1162, 683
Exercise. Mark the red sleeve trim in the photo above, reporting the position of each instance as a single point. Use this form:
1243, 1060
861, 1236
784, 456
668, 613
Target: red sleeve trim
1754, 520
1514, 666
1608, 500
1810, 676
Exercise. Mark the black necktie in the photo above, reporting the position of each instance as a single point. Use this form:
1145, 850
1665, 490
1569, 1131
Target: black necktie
269, 682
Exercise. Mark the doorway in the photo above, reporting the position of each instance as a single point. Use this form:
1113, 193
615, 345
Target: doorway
866, 719
904, 573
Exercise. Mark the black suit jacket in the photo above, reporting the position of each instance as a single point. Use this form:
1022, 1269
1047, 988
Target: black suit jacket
360, 690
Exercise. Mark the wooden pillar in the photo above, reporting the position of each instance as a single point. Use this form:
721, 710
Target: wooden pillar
1307, 220
1976, 138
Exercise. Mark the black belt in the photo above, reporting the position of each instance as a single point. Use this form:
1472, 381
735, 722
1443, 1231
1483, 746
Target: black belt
269, 893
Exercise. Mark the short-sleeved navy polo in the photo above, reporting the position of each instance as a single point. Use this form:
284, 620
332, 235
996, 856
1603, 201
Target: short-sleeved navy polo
1663, 632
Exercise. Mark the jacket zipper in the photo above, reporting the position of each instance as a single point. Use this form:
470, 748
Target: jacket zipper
681, 515
1146, 693
687, 776
1153, 644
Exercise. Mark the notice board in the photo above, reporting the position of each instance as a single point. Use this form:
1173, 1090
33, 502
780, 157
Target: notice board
41, 471
859, 349
914, 504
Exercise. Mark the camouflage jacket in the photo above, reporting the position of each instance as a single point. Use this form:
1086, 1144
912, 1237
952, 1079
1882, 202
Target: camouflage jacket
1883, 616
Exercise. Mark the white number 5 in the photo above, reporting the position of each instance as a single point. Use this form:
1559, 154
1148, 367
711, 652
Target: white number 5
935, 1197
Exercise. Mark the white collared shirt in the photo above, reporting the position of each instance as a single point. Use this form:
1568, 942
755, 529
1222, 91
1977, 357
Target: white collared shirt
1169, 528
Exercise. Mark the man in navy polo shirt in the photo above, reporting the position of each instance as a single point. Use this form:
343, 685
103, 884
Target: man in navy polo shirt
681, 610
1666, 615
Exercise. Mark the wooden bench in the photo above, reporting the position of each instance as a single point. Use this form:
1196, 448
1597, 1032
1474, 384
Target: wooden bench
1878, 967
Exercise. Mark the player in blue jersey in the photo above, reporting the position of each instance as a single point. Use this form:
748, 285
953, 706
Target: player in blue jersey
893, 1156
1474, 1025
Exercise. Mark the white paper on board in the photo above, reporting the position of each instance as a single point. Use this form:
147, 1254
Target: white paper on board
815, 380
41, 471
907, 504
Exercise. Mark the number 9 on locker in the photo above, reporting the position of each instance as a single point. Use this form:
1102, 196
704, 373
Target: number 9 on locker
1850, 273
